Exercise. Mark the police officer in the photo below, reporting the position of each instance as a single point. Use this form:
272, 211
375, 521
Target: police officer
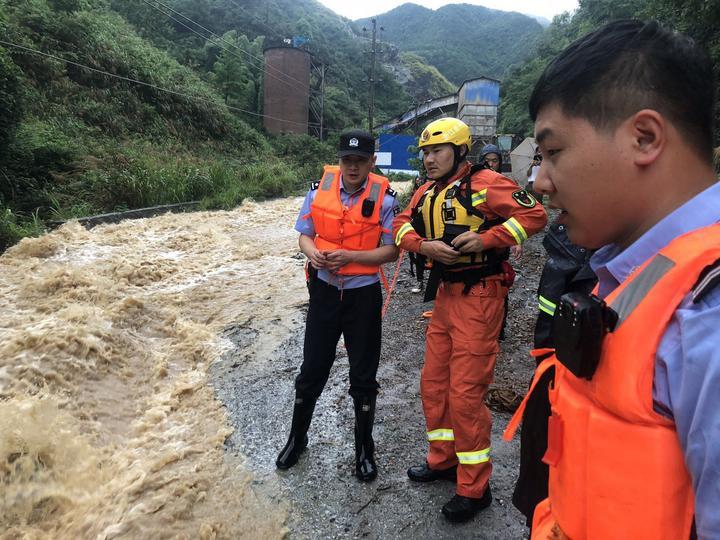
634, 435
463, 220
344, 227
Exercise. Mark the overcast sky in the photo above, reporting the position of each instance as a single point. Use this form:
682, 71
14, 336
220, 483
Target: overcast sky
357, 9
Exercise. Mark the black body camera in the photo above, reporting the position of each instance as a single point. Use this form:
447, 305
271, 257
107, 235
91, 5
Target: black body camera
368, 205
580, 324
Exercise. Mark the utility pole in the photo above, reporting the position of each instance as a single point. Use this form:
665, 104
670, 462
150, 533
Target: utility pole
322, 99
371, 81
317, 98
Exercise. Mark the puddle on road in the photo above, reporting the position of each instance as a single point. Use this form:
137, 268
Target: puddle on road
108, 428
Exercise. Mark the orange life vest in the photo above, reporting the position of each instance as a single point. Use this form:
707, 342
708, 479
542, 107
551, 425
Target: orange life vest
617, 470
340, 227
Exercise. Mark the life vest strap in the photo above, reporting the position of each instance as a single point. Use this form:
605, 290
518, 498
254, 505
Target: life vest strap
546, 364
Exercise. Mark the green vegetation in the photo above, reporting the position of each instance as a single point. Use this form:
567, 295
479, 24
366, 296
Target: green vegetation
77, 141
462, 41
425, 81
699, 19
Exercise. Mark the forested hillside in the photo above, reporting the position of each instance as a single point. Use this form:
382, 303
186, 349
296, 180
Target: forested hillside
461, 40
699, 19
113, 104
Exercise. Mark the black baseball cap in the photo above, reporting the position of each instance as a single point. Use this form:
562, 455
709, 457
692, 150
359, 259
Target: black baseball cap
356, 143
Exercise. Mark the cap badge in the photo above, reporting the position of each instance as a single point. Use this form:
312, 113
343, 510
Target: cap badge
354, 143
425, 135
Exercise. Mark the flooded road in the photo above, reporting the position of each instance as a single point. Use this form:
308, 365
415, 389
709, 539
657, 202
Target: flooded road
108, 426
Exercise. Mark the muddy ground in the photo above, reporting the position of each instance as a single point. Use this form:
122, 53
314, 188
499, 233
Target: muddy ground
321, 494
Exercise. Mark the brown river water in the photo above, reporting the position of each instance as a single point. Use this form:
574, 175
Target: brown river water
108, 426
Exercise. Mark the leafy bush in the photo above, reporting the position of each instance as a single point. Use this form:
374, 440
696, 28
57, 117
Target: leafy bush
13, 228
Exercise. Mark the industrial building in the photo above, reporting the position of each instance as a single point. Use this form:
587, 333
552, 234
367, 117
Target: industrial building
475, 103
286, 90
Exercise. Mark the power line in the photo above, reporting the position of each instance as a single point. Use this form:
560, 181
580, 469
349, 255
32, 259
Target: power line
250, 55
143, 83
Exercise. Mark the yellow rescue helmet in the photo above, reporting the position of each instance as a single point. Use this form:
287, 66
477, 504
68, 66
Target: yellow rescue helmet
444, 131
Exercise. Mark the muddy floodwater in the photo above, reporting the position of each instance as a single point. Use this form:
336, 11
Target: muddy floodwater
108, 426
146, 386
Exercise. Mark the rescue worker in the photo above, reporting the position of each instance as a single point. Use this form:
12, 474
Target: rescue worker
634, 436
491, 157
345, 232
463, 220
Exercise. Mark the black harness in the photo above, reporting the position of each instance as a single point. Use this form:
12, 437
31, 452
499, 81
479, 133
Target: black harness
489, 263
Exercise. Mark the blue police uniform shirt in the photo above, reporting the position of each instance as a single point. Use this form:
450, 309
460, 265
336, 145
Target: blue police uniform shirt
305, 225
686, 385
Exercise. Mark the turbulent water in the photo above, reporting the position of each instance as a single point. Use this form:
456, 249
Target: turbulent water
108, 427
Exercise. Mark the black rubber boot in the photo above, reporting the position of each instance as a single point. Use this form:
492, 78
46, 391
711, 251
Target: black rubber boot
460, 509
423, 473
365, 468
297, 441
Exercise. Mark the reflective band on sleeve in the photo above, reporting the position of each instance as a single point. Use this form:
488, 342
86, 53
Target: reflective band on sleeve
546, 305
479, 197
402, 232
513, 225
441, 435
474, 458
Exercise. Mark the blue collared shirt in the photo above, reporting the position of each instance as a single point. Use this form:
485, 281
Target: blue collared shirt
305, 225
686, 385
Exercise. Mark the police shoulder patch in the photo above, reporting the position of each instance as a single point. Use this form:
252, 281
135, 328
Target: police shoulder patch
523, 198
391, 192
314, 185
396, 210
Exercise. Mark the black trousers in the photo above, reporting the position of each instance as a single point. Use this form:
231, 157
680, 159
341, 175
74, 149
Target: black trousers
356, 315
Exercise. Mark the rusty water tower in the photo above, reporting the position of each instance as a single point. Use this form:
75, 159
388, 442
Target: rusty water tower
286, 90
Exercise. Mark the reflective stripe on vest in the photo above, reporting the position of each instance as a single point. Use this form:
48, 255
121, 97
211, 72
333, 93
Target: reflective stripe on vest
327, 181
474, 458
637, 290
441, 435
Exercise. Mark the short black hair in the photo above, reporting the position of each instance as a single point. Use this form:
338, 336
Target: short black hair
630, 65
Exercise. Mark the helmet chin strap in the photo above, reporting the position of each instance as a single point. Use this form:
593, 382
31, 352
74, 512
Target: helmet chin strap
457, 160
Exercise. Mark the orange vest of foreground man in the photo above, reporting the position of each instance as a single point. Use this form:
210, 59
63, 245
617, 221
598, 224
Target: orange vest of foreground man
616, 466
340, 227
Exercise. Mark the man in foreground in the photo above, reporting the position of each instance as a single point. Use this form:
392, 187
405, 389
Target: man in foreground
634, 436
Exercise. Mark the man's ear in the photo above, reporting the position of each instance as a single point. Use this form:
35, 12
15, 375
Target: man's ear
649, 132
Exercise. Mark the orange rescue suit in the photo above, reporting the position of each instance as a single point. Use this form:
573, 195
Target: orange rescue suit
462, 338
617, 470
340, 227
